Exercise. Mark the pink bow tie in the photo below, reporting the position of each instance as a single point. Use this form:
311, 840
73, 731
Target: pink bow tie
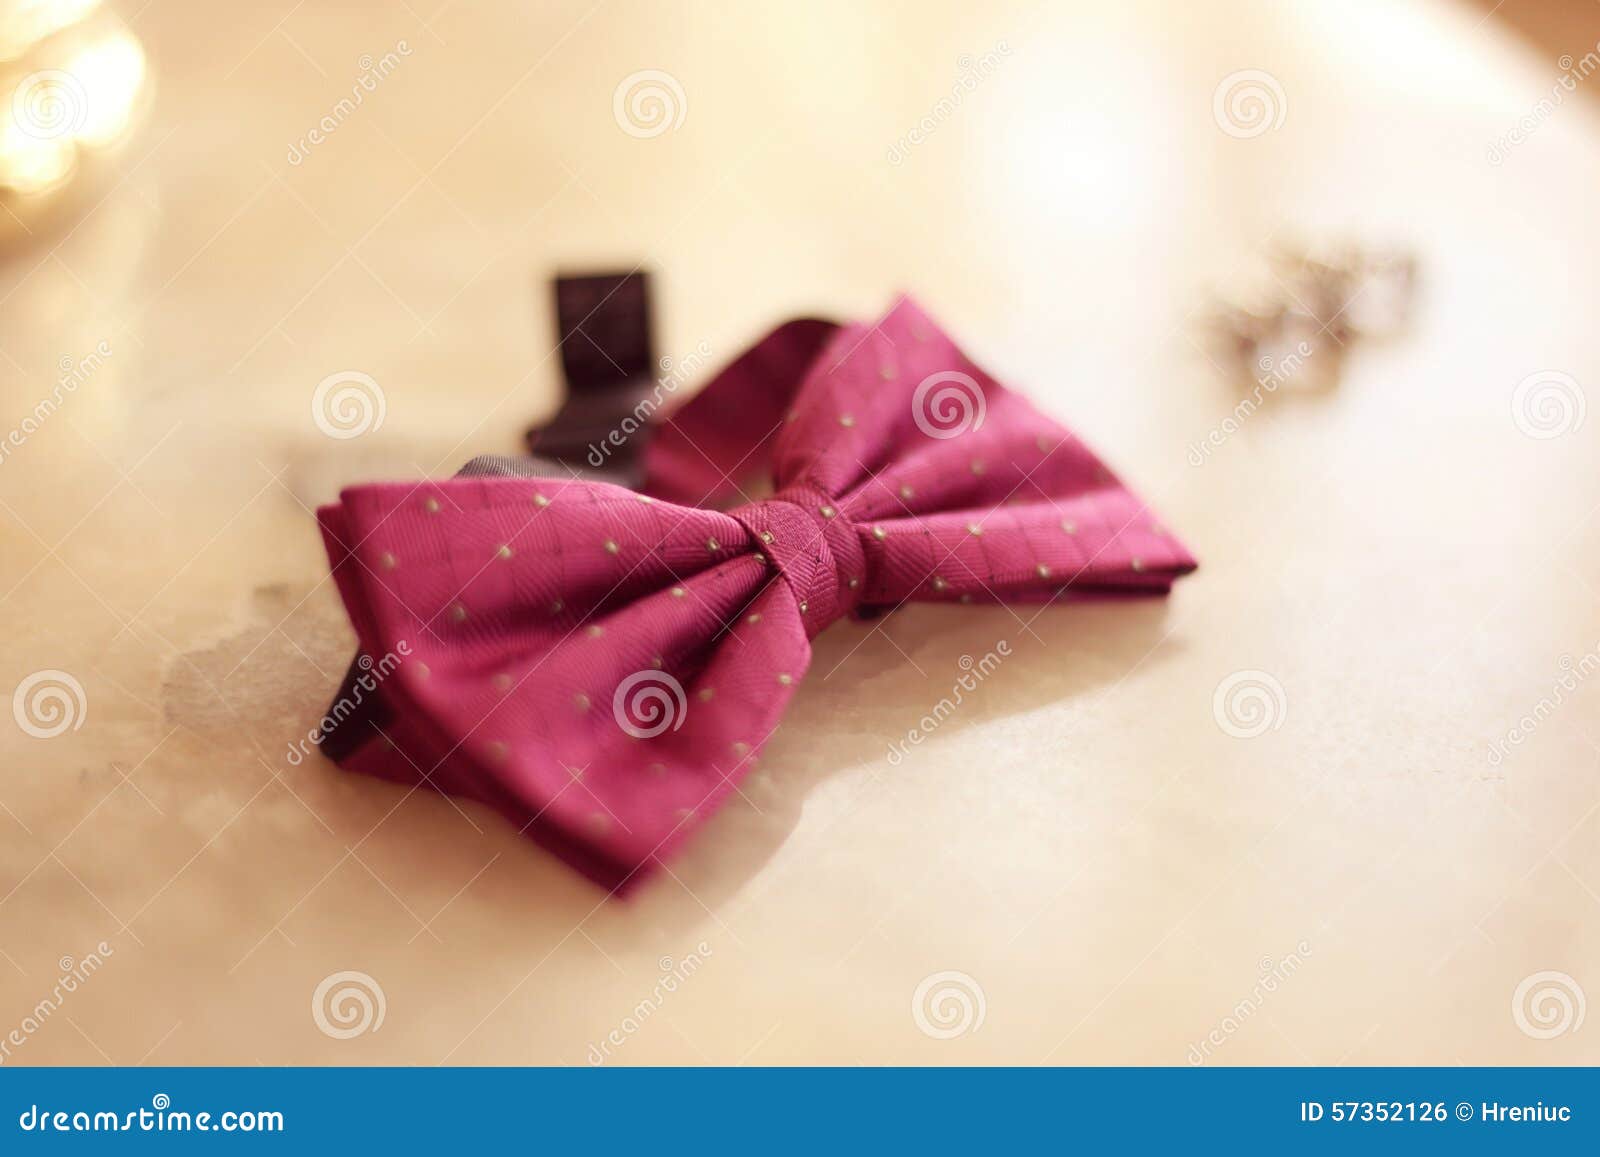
603, 666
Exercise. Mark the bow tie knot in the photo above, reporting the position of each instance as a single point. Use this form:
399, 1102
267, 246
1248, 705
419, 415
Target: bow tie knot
803, 533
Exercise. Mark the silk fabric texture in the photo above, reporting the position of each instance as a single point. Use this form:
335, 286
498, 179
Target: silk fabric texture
603, 666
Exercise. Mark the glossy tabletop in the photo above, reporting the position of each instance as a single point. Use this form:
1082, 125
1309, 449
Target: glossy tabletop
1337, 800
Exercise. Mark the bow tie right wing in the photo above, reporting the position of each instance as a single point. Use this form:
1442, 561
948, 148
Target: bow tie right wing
962, 489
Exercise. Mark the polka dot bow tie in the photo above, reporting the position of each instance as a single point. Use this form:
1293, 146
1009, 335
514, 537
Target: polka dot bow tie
603, 665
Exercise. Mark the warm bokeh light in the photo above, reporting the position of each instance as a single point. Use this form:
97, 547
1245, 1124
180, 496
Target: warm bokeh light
24, 23
111, 73
73, 86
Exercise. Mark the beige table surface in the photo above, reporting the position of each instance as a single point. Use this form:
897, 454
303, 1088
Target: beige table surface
1105, 866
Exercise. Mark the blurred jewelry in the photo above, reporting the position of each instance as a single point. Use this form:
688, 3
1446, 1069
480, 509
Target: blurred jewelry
1310, 301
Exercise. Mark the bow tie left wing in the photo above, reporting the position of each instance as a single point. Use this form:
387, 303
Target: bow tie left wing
598, 666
